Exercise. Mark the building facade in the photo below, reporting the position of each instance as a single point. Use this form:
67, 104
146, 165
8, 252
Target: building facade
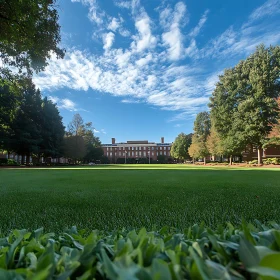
136, 150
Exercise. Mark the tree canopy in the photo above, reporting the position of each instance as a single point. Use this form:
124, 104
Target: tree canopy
180, 146
29, 34
244, 103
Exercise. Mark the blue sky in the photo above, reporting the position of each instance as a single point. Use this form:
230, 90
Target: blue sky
143, 69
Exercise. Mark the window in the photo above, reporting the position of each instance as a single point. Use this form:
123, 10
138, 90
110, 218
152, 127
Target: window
160, 153
140, 154
153, 148
160, 148
123, 154
111, 148
132, 153
140, 148
144, 154
120, 154
132, 148
164, 148
152, 153
168, 148
164, 153
136, 153
110, 154
128, 154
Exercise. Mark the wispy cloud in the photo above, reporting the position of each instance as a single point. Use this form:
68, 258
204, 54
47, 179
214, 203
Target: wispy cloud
65, 103
173, 37
200, 24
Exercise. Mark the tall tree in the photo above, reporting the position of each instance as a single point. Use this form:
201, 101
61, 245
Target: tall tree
244, 104
179, 149
52, 130
202, 126
29, 34
214, 143
26, 128
76, 126
74, 147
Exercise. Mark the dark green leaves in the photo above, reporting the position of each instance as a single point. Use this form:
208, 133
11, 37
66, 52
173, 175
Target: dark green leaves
227, 253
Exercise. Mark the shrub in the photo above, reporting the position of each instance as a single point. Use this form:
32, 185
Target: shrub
255, 161
271, 161
198, 252
3, 161
12, 162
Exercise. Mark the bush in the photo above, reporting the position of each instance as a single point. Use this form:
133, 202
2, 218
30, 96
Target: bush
198, 252
255, 161
271, 161
12, 162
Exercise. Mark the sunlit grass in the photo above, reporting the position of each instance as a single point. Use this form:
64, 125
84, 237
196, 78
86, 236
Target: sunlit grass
131, 196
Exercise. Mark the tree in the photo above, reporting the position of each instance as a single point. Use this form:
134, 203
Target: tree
29, 34
52, 130
179, 149
74, 147
25, 138
76, 126
214, 143
202, 126
244, 104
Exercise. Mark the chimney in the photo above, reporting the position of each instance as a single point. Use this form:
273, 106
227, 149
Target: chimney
162, 140
113, 140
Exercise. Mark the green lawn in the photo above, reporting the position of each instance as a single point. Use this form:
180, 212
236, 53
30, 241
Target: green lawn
111, 197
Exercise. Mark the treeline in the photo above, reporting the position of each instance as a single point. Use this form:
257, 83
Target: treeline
80, 143
30, 125
244, 109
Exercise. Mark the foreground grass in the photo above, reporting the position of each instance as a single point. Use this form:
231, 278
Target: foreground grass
133, 197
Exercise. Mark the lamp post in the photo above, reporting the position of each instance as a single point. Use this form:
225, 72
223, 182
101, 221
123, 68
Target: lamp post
125, 156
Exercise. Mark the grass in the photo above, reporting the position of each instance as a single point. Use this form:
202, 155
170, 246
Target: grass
110, 197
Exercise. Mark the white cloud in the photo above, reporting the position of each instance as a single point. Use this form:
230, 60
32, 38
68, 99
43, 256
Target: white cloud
201, 22
153, 73
269, 8
95, 15
173, 38
114, 24
144, 39
64, 103
99, 131
145, 60
123, 4
108, 40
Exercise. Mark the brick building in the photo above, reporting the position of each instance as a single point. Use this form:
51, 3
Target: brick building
136, 150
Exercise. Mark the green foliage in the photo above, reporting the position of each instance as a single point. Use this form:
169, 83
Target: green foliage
274, 161
27, 42
12, 162
74, 147
180, 146
255, 161
202, 127
244, 252
244, 103
29, 125
162, 159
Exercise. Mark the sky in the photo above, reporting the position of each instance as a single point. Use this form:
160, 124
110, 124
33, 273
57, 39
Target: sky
143, 69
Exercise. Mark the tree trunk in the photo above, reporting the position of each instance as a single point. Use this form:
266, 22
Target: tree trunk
204, 160
193, 160
27, 159
259, 156
230, 160
22, 159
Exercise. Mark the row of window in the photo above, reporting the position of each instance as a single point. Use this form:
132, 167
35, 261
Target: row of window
137, 148
140, 154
